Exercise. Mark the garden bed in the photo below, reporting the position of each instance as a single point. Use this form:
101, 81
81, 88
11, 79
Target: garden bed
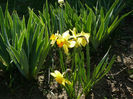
116, 84
82, 46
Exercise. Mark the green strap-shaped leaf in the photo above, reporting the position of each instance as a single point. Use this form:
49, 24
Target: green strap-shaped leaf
110, 12
98, 67
3, 28
21, 39
108, 67
40, 36
24, 63
103, 68
23, 24
13, 53
3, 52
101, 29
20, 60
89, 21
44, 51
88, 62
117, 21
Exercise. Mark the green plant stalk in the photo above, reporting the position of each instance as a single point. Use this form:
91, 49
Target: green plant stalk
62, 60
88, 61
61, 20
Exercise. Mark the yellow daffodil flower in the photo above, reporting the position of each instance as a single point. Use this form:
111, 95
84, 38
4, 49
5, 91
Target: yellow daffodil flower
69, 41
74, 33
80, 38
75, 37
63, 39
64, 42
59, 78
54, 37
86, 35
83, 39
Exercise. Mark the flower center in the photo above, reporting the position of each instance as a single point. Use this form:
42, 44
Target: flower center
59, 79
60, 42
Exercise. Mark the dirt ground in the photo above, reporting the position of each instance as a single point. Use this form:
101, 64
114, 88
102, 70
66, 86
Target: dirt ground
117, 84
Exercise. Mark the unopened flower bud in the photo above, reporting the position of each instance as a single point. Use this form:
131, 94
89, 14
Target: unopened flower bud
60, 1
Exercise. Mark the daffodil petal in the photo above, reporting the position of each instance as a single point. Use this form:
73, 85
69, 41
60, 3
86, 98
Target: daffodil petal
84, 42
65, 47
72, 44
59, 78
52, 42
86, 35
68, 82
63, 83
58, 73
74, 31
53, 74
66, 35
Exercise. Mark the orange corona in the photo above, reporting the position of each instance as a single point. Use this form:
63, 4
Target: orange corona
60, 42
